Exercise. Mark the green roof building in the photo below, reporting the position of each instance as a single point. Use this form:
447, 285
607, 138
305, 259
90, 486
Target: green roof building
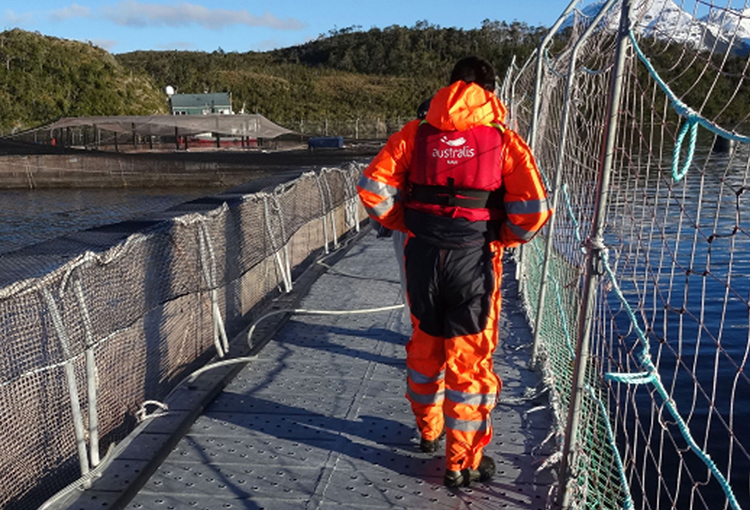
201, 104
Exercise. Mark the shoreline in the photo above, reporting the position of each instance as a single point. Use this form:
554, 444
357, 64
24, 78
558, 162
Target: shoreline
24, 166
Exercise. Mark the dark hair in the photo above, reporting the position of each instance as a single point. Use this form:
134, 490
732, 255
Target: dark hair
474, 70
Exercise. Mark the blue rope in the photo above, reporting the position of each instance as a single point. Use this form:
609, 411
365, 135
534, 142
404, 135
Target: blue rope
652, 377
600, 71
639, 378
693, 119
544, 178
692, 125
576, 225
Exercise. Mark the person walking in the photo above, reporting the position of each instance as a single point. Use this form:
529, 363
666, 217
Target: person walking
462, 187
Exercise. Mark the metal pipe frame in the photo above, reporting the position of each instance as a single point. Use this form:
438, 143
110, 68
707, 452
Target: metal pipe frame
595, 247
539, 65
533, 126
70, 376
561, 147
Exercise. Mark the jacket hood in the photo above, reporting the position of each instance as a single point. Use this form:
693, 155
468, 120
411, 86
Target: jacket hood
461, 106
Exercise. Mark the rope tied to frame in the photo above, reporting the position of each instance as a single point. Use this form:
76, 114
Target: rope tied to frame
599, 251
323, 212
208, 262
692, 118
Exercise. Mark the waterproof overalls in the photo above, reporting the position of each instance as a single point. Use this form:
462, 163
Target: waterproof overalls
463, 187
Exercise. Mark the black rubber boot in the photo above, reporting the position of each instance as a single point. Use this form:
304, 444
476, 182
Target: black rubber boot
428, 446
463, 478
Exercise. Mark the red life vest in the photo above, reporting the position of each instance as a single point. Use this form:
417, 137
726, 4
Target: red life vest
457, 173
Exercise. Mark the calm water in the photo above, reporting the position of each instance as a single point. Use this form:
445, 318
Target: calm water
691, 298
31, 216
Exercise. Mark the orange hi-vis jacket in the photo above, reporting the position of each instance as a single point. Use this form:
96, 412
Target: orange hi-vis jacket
384, 186
463, 187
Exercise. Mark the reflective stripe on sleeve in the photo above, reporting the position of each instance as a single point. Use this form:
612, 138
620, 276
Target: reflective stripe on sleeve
519, 232
380, 208
527, 207
474, 399
432, 398
377, 187
420, 378
465, 425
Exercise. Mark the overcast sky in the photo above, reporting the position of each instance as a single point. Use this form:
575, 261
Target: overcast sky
127, 25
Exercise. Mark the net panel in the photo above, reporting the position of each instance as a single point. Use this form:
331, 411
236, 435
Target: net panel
666, 387
146, 307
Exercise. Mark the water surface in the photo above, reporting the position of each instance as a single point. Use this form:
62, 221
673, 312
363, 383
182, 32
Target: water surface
28, 217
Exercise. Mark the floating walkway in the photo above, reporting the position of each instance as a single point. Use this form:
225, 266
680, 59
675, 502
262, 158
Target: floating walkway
319, 419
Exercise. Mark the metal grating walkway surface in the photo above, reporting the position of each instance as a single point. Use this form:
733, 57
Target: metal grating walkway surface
320, 421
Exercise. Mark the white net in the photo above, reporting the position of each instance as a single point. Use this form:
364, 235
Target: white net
666, 390
95, 324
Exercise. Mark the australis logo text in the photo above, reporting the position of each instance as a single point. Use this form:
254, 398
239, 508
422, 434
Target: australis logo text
456, 150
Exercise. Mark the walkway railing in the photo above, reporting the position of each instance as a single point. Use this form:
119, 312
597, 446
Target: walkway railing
640, 289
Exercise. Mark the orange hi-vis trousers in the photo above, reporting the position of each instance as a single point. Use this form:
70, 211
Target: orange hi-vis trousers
454, 296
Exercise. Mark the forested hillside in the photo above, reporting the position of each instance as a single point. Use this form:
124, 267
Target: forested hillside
43, 78
421, 51
282, 91
344, 74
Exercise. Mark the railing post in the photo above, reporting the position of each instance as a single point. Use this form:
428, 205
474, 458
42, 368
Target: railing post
512, 108
534, 125
561, 149
595, 247
505, 95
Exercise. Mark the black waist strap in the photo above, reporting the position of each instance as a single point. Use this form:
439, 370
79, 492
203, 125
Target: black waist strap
448, 196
